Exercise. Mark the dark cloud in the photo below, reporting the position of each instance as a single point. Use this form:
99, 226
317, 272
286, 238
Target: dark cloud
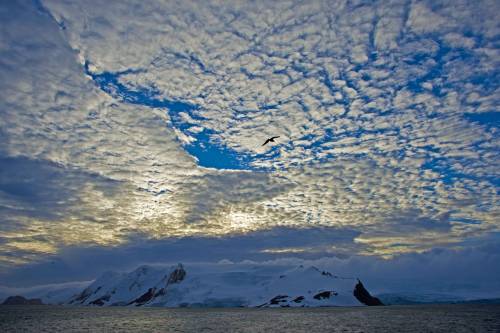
472, 271
81, 263
42, 189
415, 221
465, 270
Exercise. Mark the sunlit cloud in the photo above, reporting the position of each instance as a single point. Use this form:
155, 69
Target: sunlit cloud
149, 124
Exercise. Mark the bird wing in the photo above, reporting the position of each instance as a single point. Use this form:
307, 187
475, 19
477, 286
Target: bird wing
265, 143
275, 137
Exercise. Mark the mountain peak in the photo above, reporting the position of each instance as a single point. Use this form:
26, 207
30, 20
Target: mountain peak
177, 275
364, 296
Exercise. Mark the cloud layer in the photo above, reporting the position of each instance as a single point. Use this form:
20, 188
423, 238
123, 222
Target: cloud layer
384, 112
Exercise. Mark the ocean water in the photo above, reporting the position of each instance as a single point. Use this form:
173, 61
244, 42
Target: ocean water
419, 318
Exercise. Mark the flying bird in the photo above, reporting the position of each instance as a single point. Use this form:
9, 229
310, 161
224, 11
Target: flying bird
270, 140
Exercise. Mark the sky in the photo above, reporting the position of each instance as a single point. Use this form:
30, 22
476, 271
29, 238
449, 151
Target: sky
131, 132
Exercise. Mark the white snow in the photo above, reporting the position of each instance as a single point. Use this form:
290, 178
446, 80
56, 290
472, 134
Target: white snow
224, 285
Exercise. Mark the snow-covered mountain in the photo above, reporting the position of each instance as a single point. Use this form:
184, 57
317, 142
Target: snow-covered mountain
236, 287
48, 294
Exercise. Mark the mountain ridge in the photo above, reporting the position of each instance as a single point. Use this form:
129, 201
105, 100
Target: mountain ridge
228, 285
254, 287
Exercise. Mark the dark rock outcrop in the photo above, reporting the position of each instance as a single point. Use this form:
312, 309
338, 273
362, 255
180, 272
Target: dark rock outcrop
325, 294
144, 298
84, 295
278, 299
281, 300
298, 299
177, 275
20, 300
364, 296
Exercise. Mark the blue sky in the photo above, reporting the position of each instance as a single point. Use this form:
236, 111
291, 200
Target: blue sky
140, 131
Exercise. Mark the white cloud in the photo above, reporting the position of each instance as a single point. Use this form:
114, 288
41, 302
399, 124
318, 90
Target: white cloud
368, 101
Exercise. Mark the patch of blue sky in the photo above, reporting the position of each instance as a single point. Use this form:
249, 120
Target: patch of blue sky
441, 58
208, 153
217, 156
325, 78
488, 119
445, 57
449, 175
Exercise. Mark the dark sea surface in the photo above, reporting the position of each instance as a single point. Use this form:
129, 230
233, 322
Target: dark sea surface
413, 318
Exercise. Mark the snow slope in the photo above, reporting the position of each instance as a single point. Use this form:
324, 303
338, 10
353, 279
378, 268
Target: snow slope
49, 293
231, 287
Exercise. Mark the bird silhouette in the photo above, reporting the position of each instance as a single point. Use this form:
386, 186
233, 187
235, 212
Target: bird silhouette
271, 139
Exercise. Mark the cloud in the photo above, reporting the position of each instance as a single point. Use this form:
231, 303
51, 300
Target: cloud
43, 189
79, 261
469, 272
372, 102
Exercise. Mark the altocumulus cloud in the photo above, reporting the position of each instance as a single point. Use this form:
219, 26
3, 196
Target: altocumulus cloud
112, 118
